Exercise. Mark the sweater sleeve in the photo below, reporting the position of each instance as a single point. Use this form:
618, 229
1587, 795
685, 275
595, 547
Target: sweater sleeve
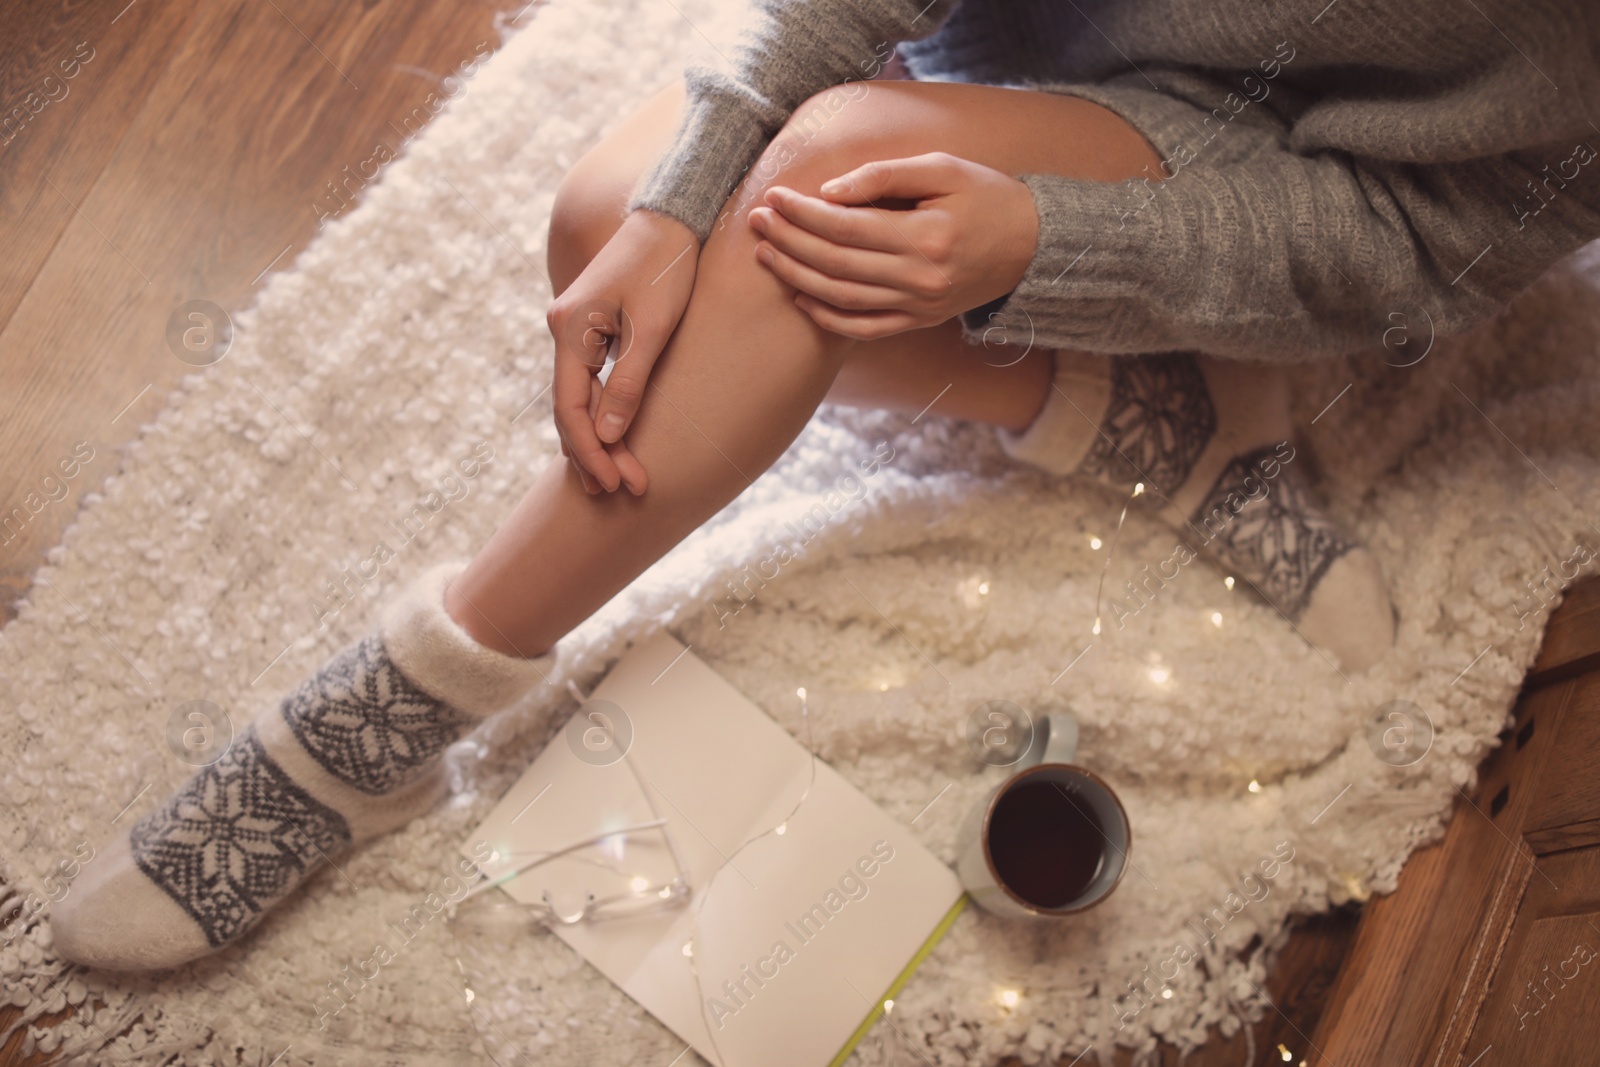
1287, 256
787, 51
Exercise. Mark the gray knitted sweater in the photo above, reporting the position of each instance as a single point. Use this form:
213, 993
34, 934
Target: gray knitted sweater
1332, 169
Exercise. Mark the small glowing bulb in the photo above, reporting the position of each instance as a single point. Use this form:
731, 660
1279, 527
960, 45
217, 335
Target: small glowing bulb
1138, 489
1096, 624
688, 948
1094, 543
470, 995
1166, 994
1285, 1053
801, 692
983, 588
782, 829
883, 687
1009, 997
1228, 581
1216, 618
638, 883
1159, 675
666, 891
1254, 786
494, 855
888, 1006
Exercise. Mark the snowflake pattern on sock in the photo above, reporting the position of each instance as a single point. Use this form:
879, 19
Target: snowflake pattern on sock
237, 837
366, 723
1280, 541
1158, 421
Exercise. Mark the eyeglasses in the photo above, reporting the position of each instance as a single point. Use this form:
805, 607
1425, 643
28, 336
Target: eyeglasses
642, 897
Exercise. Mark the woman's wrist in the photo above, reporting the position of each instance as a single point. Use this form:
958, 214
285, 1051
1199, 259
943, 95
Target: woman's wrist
1021, 244
652, 219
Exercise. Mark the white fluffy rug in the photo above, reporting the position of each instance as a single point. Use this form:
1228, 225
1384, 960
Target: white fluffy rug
413, 330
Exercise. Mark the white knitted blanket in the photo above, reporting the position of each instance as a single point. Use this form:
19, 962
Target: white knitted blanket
412, 332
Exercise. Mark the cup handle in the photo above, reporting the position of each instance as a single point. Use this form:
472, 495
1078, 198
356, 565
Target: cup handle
1055, 740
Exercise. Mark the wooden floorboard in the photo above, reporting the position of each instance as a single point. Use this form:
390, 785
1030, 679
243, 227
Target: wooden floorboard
49, 160
185, 158
87, 77
1573, 648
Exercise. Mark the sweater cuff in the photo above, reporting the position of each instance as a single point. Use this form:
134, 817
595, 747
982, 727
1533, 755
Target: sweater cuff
1093, 283
717, 141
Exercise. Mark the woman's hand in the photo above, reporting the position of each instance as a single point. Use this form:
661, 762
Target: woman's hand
633, 291
867, 270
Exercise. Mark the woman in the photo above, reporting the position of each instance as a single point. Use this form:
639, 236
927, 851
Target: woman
1131, 184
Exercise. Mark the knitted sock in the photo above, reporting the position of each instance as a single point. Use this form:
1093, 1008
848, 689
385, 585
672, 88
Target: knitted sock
352, 753
1211, 441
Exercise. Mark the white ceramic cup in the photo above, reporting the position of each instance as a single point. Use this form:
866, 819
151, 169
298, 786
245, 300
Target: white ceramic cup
1049, 758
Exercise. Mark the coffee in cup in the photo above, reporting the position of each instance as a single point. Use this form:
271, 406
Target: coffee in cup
1050, 840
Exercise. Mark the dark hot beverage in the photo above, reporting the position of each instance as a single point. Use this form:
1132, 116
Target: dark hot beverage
1047, 845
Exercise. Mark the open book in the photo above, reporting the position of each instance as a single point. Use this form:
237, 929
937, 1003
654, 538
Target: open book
808, 907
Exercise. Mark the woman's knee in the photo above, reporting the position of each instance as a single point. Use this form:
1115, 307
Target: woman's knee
834, 131
592, 199
588, 208
1012, 130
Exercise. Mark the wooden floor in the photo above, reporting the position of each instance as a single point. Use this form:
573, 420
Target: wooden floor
159, 152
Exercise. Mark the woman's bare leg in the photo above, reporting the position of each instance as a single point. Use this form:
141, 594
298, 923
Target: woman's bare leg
746, 368
993, 386
937, 366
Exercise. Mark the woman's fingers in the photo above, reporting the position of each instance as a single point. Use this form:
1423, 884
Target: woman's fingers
629, 468
836, 260
601, 466
632, 471
618, 402
861, 325
853, 296
631, 294
573, 385
634, 478
908, 178
585, 479
859, 227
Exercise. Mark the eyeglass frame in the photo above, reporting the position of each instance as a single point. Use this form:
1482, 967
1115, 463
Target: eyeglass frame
673, 893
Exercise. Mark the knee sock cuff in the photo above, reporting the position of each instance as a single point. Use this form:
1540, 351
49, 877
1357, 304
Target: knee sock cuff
1061, 434
432, 650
